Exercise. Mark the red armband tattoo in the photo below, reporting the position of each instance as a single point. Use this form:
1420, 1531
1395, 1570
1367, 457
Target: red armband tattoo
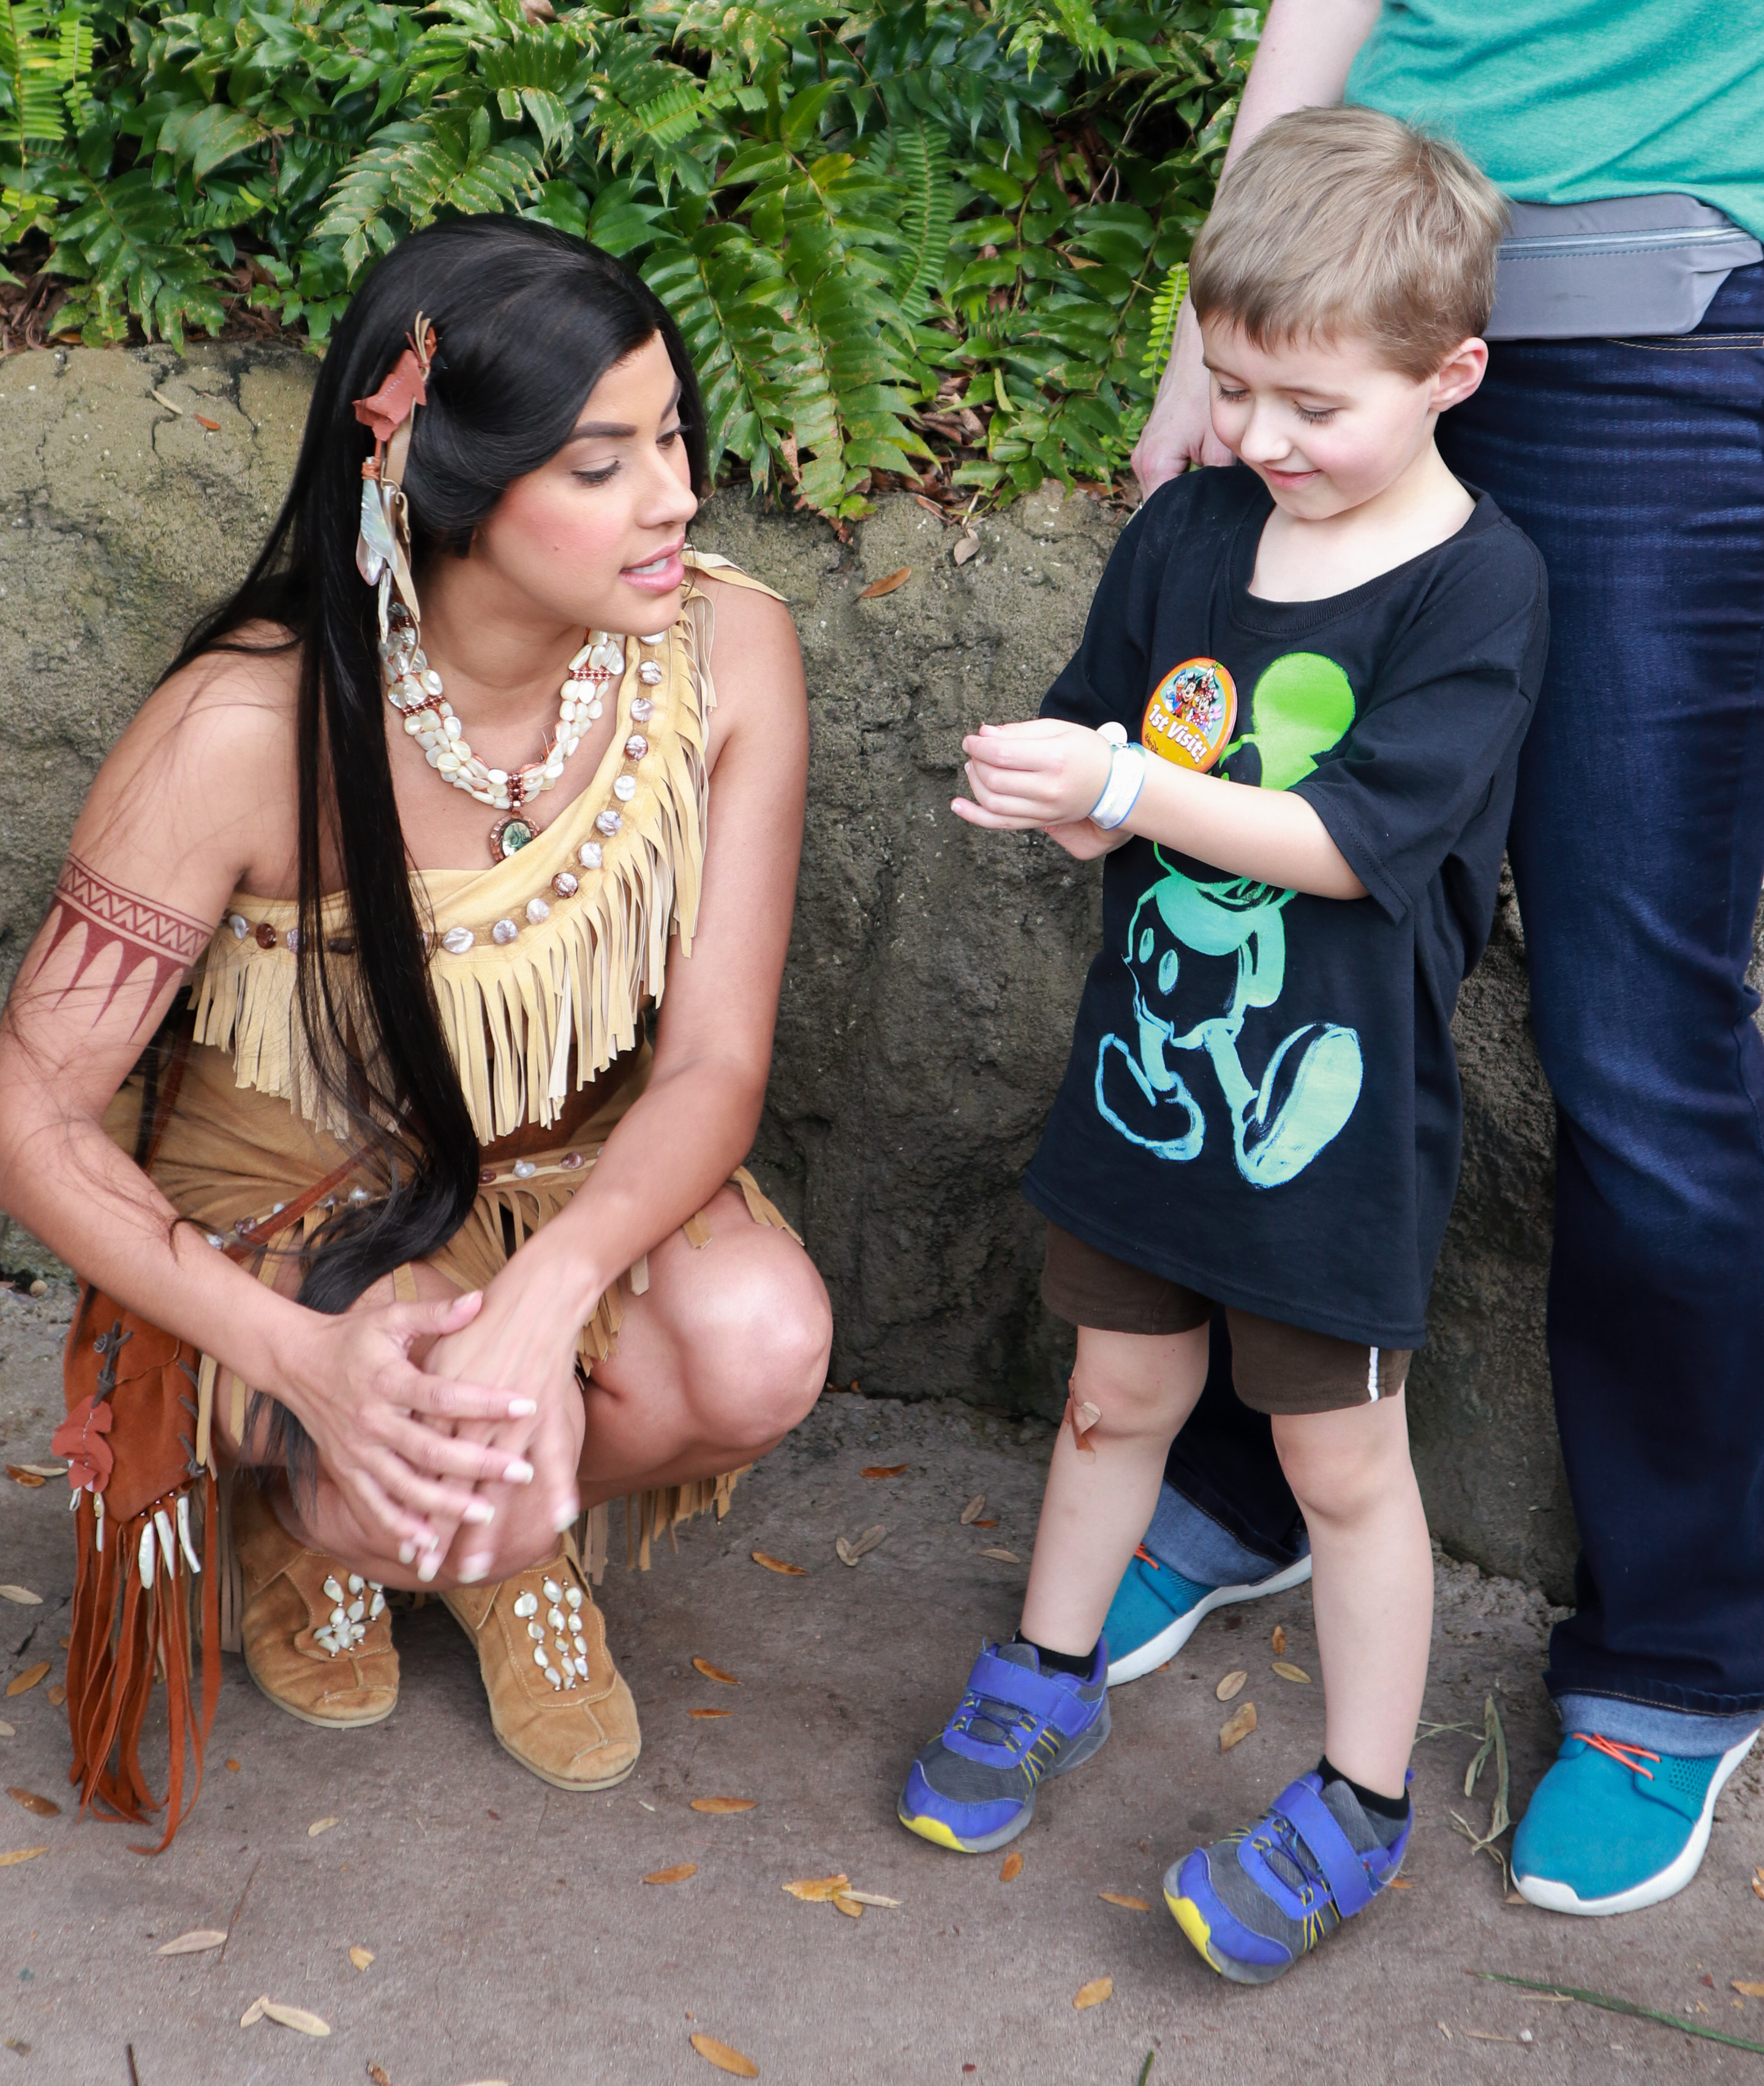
145, 931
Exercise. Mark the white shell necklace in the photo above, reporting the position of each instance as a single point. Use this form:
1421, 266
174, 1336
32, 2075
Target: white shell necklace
414, 689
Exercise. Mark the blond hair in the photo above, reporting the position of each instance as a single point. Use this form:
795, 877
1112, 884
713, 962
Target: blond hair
1345, 221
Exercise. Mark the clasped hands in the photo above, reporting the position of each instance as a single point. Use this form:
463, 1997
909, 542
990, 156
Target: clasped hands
452, 1423
1041, 775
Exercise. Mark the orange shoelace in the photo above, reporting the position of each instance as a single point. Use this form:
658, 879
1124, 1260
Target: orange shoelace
1615, 1749
1141, 1550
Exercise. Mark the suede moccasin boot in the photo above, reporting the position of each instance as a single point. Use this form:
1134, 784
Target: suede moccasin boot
317, 1636
557, 1702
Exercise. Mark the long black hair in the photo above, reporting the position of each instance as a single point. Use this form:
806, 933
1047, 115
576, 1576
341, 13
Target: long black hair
527, 319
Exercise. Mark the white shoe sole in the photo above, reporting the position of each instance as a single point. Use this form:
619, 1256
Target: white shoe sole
1561, 1897
1156, 1651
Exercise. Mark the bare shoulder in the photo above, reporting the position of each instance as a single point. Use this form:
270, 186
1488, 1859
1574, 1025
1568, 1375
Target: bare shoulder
209, 756
754, 654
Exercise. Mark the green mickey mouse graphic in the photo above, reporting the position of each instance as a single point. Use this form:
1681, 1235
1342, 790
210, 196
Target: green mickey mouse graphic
1301, 707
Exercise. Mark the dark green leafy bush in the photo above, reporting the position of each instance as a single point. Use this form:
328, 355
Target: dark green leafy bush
928, 234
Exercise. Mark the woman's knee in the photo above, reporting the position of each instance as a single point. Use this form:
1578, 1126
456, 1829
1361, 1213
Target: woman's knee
756, 1352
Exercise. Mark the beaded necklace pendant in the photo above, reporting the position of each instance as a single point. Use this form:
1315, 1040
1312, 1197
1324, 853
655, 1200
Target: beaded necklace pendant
414, 689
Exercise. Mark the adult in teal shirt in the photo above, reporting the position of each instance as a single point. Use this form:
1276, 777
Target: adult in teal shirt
1634, 459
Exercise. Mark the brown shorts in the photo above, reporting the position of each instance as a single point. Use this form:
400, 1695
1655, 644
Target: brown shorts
1275, 1368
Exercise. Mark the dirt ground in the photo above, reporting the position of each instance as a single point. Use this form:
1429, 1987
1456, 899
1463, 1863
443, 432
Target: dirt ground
513, 1937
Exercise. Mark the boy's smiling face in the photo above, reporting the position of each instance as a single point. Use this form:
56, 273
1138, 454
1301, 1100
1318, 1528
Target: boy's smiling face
1327, 425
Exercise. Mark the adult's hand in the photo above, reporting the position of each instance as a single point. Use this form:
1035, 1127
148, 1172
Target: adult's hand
382, 1424
1180, 433
524, 1340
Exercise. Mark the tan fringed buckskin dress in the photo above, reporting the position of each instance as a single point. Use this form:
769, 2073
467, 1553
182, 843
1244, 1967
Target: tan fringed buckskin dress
543, 967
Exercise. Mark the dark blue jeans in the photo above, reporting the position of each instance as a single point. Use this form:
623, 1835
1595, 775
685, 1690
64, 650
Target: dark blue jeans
1638, 846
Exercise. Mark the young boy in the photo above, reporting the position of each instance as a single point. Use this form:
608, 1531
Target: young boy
1261, 1113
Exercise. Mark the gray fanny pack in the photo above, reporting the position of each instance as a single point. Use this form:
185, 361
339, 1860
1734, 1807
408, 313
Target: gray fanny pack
1636, 266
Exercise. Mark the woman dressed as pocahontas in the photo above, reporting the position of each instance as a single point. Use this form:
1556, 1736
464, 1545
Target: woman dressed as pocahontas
391, 865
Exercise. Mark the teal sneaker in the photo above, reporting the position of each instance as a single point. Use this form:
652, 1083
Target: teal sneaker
1155, 1611
1612, 1827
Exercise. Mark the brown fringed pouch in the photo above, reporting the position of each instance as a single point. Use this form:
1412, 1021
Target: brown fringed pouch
146, 1515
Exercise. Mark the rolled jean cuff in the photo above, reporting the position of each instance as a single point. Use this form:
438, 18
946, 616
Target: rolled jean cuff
1685, 1733
1196, 1545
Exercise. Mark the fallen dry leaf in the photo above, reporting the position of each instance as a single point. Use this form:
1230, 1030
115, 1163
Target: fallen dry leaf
1288, 1671
319, 1825
1237, 1726
707, 1713
879, 587
719, 1806
1013, 1868
869, 1897
778, 1564
986, 1524
714, 1673
844, 1902
20, 1476
968, 547
55, 1695
232, 1767
252, 2013
1128, 1904
972, 1511
377, 2077
194, 1943
22, 1596
39, 1806
848, 1553
1231, 1686
1094, 1994
45, 1469
8, 1731
1751, 1991
295, 2017
20, 1855
724, 2058
1280, 1639
28, 1678
881, 1470
676, 1875
361, 1957
1004, 1556
817, 1890
202, 420
1398, 1883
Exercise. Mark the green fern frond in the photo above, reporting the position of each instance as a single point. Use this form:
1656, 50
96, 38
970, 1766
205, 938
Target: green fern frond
927, 214
1165, 306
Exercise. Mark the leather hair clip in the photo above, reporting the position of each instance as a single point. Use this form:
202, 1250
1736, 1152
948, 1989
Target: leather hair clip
382, 544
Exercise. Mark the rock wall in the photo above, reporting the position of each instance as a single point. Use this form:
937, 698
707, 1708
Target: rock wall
933, 972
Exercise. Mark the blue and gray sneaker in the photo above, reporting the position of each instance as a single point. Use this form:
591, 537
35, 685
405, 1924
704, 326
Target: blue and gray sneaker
974, 1787
1155, 1611
1612, 1827
1254, 1904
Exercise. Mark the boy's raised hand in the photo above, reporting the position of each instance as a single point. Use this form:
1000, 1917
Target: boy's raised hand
1040, 773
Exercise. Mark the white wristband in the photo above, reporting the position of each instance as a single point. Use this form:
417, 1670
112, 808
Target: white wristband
1120, 792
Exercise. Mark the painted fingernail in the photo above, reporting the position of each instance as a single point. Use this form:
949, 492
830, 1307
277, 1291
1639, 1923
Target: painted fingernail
522, 1408
430, 1565
480, 1511
518, 1472
473, 1569
407, 1553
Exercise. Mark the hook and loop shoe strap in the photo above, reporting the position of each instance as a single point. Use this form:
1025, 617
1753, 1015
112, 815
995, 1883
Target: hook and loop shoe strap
1352, 1880
997, 1687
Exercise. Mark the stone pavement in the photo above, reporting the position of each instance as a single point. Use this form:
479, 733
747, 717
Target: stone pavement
514, 1937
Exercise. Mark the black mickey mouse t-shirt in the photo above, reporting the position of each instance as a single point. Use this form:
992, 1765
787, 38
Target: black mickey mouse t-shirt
1262, 1101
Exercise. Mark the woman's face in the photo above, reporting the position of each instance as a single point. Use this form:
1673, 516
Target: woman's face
594, 536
